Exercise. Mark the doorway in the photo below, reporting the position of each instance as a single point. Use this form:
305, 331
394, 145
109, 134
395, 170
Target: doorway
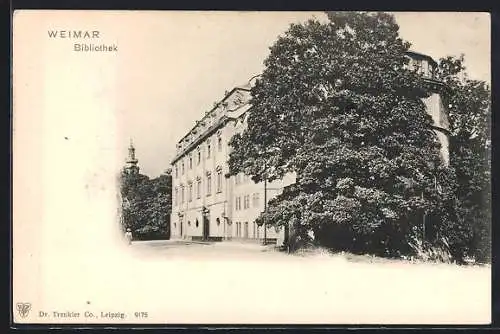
206, 228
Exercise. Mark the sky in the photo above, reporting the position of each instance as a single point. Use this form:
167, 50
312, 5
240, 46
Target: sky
172, 67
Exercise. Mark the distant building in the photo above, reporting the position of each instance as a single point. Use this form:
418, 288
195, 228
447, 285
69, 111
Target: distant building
131, 166
208, 204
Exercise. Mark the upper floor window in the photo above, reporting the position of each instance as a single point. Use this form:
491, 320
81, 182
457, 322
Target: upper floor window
255, 200
209, 149
219, 180
199, 156
417, 65
176, 197
246, 202
219, 144
209, 184
182, 167
190, 162
176, 171
198, 188
182, 194
190, 194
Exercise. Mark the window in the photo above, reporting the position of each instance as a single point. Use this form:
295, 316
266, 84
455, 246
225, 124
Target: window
209, 184
218, 221
253, 230
245, 232
190, 194
246, 202
255, 200
176, 197
219, 181
190, 162
199, 156
238, 203
182, 168
182, 194
417, 65
209, 149
219, 144
176, 171
197, 223
198, 188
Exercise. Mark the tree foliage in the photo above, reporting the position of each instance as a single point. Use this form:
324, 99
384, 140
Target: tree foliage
469, 105
147, 204
338, 106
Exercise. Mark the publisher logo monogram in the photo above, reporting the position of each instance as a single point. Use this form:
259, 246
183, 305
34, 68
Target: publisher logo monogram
23, 309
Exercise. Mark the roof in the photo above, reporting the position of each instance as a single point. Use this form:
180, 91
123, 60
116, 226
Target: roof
213, 108
415, 54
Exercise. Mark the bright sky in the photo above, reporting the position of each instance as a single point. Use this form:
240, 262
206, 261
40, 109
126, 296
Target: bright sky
173, 66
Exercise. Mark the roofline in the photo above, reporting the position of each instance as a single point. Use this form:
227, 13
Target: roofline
191, 147
195, 143
422, 55
211, 110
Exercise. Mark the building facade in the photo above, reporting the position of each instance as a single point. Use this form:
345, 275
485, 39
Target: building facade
426, 66
209, 204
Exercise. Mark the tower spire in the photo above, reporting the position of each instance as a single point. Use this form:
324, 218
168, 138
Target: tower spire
131, 166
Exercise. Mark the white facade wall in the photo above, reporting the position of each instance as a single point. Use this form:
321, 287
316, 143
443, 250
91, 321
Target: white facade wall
439, 114
227, 219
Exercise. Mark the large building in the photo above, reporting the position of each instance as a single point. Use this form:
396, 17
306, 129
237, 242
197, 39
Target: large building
208, 204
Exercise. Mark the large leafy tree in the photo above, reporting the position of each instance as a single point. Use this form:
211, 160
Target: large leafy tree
337, 105
146, 204
469, 105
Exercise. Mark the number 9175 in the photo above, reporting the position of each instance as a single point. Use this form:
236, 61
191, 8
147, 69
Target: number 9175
141, 314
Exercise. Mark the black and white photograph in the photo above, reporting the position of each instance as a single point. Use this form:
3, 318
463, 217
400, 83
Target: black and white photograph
251, 167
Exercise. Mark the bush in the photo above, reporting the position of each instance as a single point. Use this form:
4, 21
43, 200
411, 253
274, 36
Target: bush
439, 252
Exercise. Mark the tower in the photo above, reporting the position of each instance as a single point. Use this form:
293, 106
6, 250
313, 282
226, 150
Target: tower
426, 66
131, 163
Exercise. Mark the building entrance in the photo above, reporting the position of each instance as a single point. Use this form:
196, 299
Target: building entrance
206, 228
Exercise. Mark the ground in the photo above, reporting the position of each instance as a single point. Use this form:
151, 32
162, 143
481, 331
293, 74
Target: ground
259, 284
244, 283
207, 250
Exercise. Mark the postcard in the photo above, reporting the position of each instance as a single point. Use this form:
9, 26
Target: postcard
243, 168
